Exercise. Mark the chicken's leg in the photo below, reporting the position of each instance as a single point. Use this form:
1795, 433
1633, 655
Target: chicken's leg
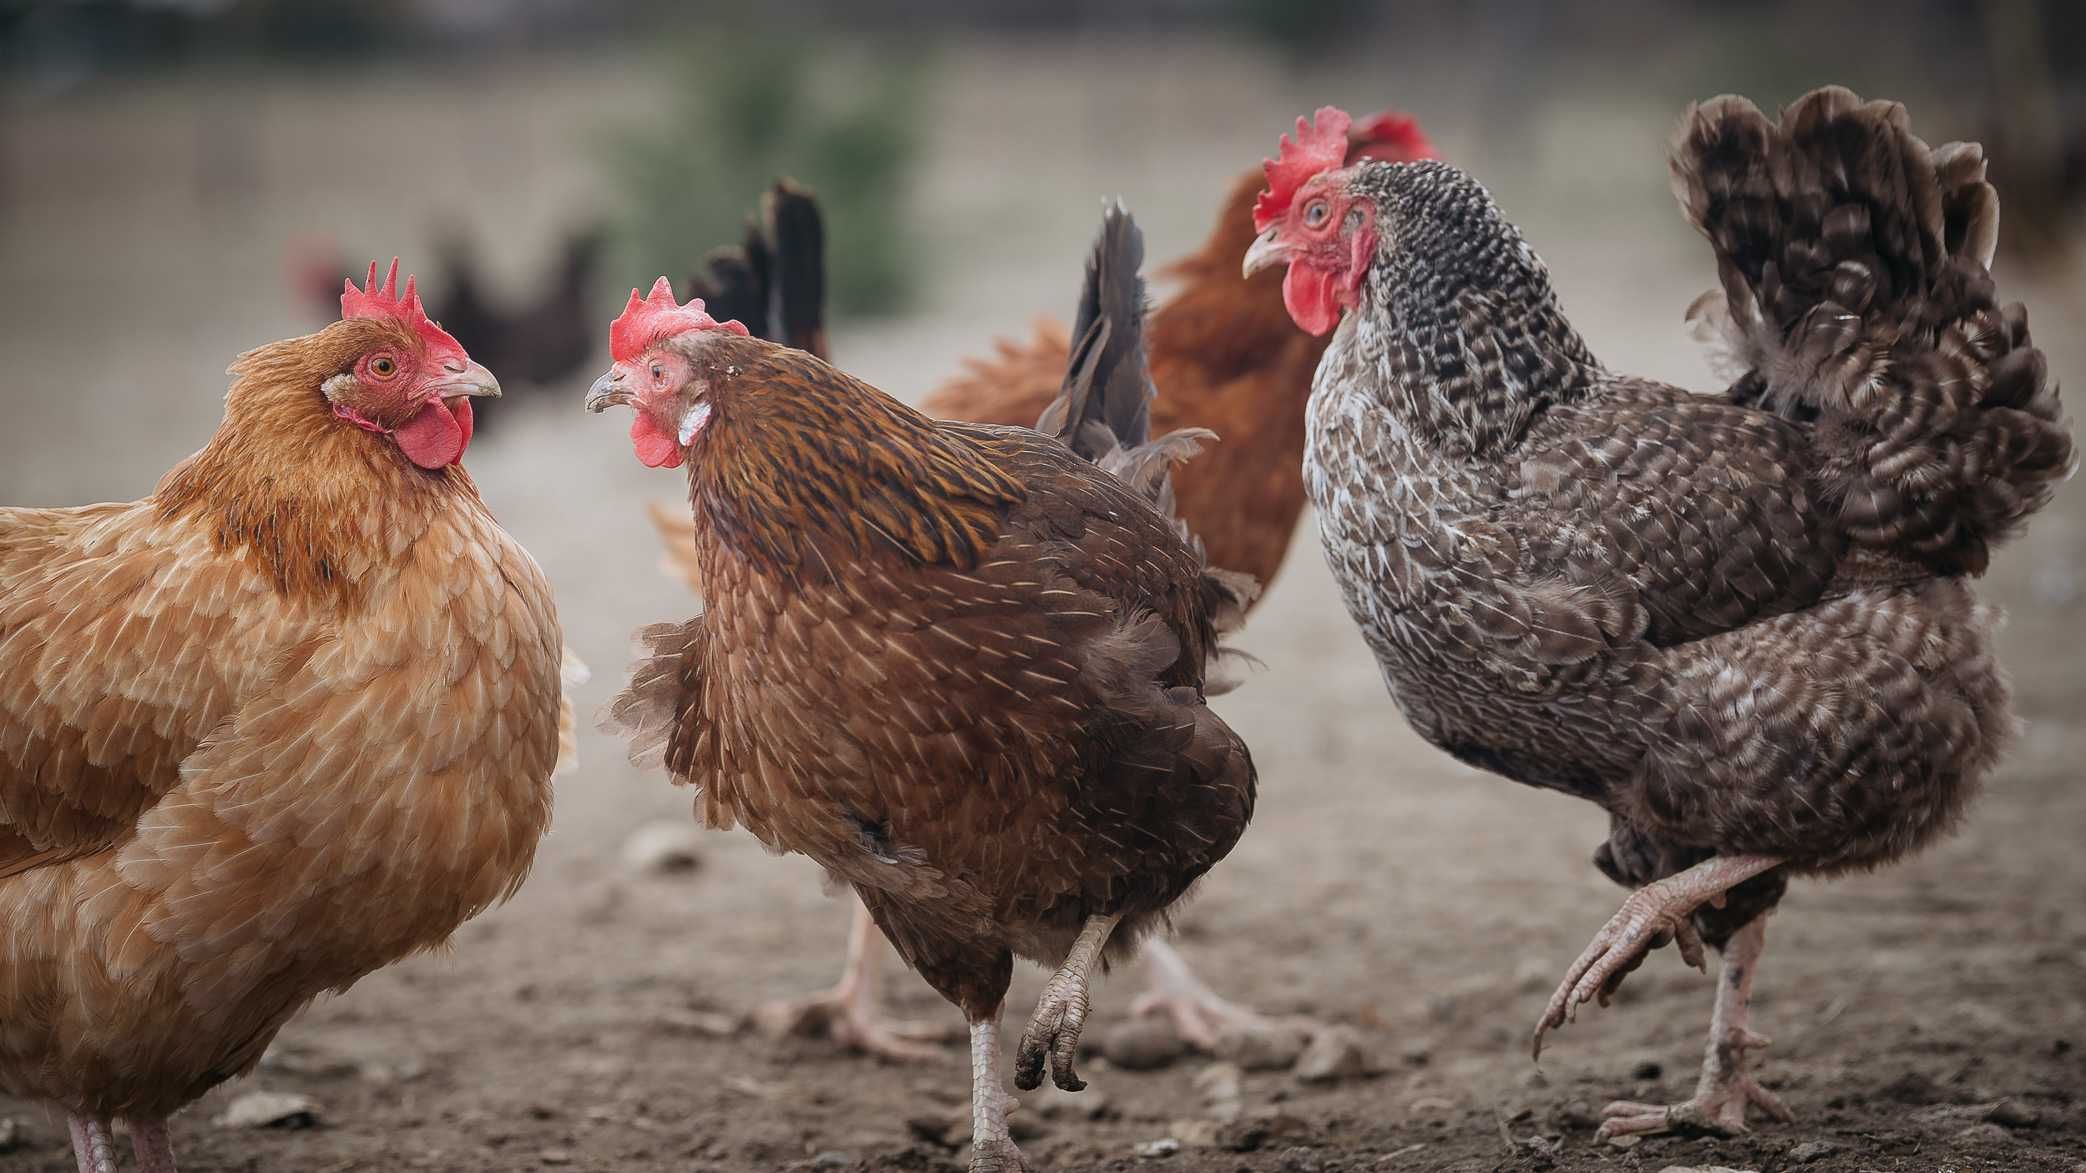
1725, 1091
155, 1150
847, 1013
1653, 915
992, 1144
92, 1145
1201, 1016
1061, 1012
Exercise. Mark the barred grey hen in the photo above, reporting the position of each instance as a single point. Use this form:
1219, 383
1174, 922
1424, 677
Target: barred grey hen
1743, 623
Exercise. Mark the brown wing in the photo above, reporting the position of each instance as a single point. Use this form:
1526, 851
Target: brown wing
112, 630
1695, 515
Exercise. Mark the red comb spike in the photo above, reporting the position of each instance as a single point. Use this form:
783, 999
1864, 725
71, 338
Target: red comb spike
1394, 138
1320, 145
646, 322
373, 301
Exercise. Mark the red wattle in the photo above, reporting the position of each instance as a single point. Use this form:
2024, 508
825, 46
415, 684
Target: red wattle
435, 436
1308, 293
655, 449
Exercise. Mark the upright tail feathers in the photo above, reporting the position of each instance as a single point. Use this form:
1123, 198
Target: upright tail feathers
1104, 410
1856, 293
774, 284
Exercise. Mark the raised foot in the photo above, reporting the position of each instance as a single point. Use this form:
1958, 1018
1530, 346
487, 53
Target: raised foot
1053, 1031
847, 1019
1721, 1112
1647, 920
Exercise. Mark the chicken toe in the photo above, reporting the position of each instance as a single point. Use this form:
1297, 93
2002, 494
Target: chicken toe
848, 1012
1061, 1013
1651, 916
92, 1145
1203, 1018
1726, 1090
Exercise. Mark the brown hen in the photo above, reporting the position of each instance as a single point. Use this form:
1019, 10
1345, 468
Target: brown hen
1742, 624
957, 664
1225, 357
283, 722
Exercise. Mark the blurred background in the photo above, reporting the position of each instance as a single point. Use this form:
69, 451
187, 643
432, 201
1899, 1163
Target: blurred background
183, 179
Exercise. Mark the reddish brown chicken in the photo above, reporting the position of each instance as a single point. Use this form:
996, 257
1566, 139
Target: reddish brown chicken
957, 664
1225, 357
287, 720
1742, 624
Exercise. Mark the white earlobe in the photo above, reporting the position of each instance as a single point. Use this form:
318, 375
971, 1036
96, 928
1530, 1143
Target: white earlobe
336, 387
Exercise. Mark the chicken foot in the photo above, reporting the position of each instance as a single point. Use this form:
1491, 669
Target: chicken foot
154, 1149
92, 1145
847, 1013
1061, 1012
1651, 916
1200, 1015
1725, 1091
992, 1143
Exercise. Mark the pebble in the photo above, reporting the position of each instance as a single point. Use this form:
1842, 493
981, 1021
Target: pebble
933, 1128
1143, 1044
1249, 1133
1647, 1069
1575, 1115
1429, 1104
1417, 1052
555, 1157
832, 1159
1262, 1050
2013, 1113
1335, 1054
12, 1135
1155, 1150
1809, 1151
666, 847
270, 1110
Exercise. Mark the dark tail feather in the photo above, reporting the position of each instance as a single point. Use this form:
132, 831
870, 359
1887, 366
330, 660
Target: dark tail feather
1106, 400
1857, 295
1104, 410
774, 284
797, 234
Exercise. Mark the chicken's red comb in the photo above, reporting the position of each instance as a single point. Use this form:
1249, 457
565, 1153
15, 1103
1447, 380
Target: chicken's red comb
1320, 144
373, 301
1393, 137
650, 320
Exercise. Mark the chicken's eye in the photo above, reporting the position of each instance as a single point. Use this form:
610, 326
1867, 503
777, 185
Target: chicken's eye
382, 367
658, 373
1315, 213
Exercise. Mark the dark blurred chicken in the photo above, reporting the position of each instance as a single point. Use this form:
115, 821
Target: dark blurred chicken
1743, 625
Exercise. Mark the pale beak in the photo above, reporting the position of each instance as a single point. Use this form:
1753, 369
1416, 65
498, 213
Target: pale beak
471, 380
1268, 251
609, 391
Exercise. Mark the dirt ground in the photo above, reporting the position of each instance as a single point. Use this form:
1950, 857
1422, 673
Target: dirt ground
1931, 1017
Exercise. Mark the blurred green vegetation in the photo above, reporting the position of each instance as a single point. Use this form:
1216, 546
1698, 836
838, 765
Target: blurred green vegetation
744, 110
